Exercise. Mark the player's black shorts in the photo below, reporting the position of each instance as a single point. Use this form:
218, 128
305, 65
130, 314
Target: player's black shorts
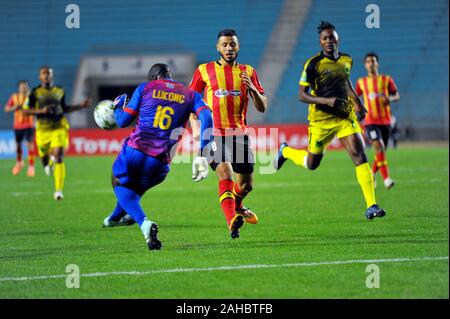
26, 134
235, 150
378, 132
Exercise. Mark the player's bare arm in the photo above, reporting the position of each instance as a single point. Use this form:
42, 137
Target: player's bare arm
12, 108
306, 97
83, 105
259, 99
394, 97
193, 121
43, 110
359, 106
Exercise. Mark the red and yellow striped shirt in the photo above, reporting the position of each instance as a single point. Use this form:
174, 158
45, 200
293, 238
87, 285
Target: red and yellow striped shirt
376, 91
226, 94
21, 120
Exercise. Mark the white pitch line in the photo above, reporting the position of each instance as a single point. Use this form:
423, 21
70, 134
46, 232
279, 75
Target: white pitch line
221, 268
259, 185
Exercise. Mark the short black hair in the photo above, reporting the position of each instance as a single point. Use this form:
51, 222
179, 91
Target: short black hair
372, 54
227, 33
159, 69
324, 25
22, 81
45, 67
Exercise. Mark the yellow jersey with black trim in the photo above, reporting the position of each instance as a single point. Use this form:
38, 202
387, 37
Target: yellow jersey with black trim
328, 77
54, 99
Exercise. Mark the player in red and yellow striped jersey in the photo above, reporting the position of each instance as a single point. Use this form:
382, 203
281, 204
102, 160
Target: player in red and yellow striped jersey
23, 128
379, 91
227, 87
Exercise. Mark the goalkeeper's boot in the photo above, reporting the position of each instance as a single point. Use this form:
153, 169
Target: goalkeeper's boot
280, 159
150, 231
249, 216
124, 221
235, 224
374, 211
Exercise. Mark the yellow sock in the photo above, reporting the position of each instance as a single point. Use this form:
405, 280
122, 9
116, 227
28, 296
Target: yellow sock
365, 180
299, 157
59, 174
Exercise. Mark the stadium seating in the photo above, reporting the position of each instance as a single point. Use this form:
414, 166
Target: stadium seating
115, 27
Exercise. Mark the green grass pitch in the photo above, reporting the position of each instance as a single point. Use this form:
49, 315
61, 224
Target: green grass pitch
312, 236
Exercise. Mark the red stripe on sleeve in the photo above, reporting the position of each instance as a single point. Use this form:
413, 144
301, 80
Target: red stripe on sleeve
244, 98
197, 84
130, 111
201, 109
256, 82
392, 87
210, 70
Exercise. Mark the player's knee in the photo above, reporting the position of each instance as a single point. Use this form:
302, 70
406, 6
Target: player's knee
114, 181
359, 158
314, 163
246, 187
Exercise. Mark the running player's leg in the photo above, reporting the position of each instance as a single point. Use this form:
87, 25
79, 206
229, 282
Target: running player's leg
59, 172
137, 172
30, 146
43, 140
382, 156
224, 172
243, 166
379, 137
242, 187
319, 136
59, 140
119, 216
19, 152
354, 145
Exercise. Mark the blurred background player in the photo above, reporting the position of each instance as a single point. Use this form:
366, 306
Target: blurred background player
161, 106
332, 104
23, 128
47, 102
378, 90
227, 85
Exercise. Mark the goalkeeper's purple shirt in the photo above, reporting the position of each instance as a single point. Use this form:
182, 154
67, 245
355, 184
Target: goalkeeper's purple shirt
162, 108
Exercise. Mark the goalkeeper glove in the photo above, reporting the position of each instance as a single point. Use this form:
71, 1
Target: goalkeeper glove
200, 168
120, 101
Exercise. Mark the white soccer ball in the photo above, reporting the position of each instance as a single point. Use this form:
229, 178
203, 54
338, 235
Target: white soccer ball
104, 115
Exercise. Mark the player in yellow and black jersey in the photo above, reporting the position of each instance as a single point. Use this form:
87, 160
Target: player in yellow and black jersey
325, 85
47, 103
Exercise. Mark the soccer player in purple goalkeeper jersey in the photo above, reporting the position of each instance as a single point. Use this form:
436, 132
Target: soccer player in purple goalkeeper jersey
162, 107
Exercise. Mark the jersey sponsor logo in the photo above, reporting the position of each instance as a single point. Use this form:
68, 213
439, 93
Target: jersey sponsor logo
221, 93
347, 68
373, 96
224, 93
